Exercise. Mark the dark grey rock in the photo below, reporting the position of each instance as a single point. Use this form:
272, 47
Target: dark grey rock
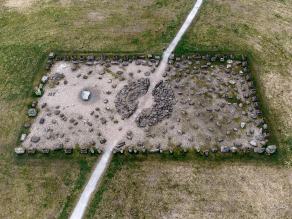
35, 139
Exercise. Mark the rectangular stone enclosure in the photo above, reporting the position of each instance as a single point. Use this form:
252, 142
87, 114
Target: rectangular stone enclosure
204, 102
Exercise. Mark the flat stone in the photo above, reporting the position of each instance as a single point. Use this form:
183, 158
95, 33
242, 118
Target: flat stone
233, 149
102, 140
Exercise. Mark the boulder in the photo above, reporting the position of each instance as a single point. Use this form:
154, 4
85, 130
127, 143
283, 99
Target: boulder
271, 149
23, 137
44, 79
253, 143
19, 150
85, 95
259, 150
225, 149
32, 112
51, 55
35, 139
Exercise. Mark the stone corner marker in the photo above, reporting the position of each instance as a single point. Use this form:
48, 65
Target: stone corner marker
102, 164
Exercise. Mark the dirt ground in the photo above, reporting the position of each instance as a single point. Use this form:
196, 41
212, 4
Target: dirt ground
174, 189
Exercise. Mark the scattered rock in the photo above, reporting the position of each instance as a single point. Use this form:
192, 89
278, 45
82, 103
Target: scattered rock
126, 101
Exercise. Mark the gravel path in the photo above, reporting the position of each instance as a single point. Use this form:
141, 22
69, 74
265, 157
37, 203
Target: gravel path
145, 102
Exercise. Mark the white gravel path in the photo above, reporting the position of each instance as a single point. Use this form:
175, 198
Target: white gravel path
102, 164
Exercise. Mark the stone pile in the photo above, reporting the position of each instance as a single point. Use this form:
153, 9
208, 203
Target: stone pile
164, 100
126, 101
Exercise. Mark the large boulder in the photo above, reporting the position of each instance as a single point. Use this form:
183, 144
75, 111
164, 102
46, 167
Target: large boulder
85, 95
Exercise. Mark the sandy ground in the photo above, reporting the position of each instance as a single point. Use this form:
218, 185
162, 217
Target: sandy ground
202, 118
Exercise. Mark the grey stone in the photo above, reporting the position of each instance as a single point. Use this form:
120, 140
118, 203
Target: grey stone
225, 149
19, 150
42, 121
253, 143
35, 139
259, 150
242, 125
23, 137
32, 112
85, 95
271, 149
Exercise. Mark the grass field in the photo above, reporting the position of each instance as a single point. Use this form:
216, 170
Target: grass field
154, 187
46, 187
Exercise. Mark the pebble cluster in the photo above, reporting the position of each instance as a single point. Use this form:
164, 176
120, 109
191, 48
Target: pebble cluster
126, 101
164, 100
